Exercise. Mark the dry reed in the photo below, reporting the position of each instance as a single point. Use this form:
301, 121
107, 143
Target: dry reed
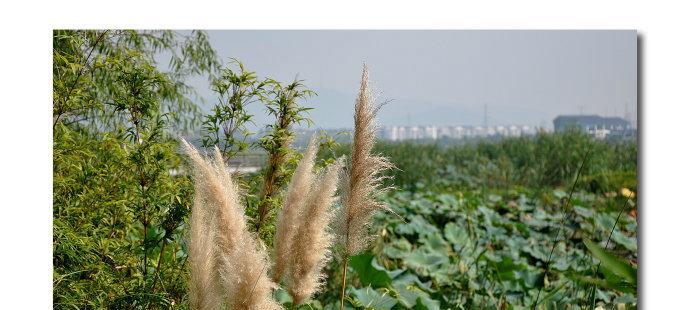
364, 181
311, 246
240, 260
289, 216
203, 288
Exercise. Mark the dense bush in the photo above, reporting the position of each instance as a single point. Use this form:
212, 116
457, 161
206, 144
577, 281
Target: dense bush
116, 241
119, 214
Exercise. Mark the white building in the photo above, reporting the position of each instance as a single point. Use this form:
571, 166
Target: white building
434, 132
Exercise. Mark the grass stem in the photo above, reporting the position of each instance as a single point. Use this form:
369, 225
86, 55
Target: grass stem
342, 292
594, 287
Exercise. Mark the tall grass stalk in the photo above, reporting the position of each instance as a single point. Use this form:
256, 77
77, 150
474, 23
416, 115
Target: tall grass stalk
364, 180
312, 243
289, 215
229, 264
240, 260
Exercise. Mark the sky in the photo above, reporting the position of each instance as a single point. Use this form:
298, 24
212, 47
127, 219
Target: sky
444, 77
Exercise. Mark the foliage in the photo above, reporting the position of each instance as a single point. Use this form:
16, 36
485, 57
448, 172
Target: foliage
456, 242
474, 223
121, 198
88, 73
226, 125
621, 275
282, 103
119, 212
545, 160
467, 250
116, 233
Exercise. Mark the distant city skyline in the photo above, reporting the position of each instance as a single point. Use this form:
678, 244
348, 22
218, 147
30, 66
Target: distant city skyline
450, 77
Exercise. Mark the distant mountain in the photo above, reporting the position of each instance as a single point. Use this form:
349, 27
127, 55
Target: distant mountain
334, 109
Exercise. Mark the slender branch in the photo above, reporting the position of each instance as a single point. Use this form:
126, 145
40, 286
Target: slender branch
158, 266
342, 292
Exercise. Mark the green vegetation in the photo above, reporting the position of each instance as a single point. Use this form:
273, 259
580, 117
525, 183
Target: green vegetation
119, 215
276, 143
475, 225
546, 160
488, 224
121, 199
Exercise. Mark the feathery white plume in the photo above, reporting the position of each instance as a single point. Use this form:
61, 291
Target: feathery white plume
364, 176
240, 259
311, 246
289, 216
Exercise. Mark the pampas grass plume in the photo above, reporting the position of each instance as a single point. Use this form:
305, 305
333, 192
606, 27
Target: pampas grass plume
311, 247
229, 264
289, 216
364, 181
203, 289
239, 257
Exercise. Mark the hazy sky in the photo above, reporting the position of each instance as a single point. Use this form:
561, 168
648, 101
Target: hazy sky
446, 77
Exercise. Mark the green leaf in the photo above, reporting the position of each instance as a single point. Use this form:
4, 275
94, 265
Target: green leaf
397, 248
417, 225
370, 272
372, 299
425, 263
412, 296
456, 235
629, 243
426, 303
612, 262
605, 283
436, 244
